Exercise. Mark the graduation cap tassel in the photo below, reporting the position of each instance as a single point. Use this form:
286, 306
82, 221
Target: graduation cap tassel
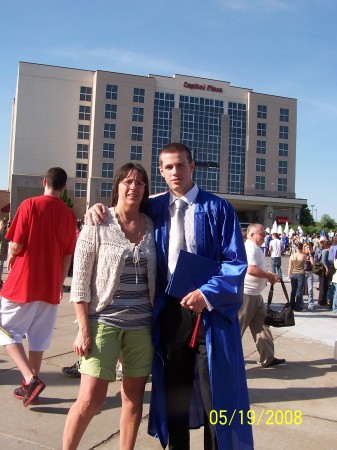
195, 332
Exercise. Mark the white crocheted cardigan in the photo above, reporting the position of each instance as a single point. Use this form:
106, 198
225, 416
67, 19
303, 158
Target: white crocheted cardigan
99, 261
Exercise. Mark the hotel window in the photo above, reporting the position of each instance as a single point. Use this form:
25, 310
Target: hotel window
111, 92
237, 147
106, 190
84, 112
284, 115
80, 189
136, 133
81, 170
137, 114
261, 129
83, 132
260, 165
162, 126
110, 111
260, 183
261, 147
282, 185
284, 131
138, 95
107, 170
110, 130
282, 149
82, 151
136, 153
85, 94
108, 150
261, 111
283, 167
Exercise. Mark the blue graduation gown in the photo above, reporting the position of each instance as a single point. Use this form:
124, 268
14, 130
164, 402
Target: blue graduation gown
218, 236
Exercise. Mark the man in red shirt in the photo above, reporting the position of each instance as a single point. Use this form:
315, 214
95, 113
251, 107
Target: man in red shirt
43, 239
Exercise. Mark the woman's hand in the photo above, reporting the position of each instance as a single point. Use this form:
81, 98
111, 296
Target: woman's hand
82, 344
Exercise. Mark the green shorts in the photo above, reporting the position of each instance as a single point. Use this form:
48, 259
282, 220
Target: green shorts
109, 343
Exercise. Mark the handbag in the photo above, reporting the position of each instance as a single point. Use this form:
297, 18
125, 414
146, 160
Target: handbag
283, 318
318, 268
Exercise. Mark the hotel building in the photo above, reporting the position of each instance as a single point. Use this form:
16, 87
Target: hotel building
92, 122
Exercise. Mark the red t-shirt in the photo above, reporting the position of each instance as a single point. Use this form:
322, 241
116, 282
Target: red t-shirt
46, 228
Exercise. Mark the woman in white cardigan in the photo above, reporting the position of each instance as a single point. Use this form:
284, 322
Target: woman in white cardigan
112, 290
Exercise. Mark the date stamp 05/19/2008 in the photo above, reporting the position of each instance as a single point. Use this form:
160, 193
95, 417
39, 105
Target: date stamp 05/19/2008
265, 416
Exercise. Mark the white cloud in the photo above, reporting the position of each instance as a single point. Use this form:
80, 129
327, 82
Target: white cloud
262, 6
320, 108
113, 58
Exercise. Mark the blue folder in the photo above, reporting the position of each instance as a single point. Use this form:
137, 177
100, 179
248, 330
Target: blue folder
191, 272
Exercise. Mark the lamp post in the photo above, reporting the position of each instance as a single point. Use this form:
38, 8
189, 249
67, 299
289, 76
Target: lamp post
312, 210
316, 215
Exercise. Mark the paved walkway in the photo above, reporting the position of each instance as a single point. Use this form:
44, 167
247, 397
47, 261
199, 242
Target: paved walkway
303, 390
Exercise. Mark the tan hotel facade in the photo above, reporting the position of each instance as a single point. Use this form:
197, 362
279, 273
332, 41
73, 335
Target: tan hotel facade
92, 122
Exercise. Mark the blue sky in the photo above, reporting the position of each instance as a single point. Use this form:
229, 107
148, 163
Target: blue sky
279, 47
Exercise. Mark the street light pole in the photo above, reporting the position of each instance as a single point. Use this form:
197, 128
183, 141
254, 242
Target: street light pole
316, 214
312, 210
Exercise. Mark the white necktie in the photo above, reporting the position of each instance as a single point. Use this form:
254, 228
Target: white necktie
177, 234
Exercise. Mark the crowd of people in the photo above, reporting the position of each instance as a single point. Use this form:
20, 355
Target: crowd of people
121, 261
309, 255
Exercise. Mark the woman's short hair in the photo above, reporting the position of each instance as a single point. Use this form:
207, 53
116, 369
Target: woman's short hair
122, 173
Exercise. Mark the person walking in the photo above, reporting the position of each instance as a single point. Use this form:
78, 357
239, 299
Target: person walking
253, 311
276, 248
42, 237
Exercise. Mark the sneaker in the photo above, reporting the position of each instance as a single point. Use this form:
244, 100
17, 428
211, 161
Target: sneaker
72, 371
274, 362
19, 393
32, 390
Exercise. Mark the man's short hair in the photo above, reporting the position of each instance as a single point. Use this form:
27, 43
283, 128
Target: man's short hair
176, 147
252, 227
56, 178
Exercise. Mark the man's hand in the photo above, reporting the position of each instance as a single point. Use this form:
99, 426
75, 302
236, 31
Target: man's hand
194, 301
272, 277
96, 214
82, 344
11, 262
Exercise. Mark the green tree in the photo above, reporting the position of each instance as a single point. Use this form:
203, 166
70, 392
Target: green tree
64, 197
306, 218
328, 223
